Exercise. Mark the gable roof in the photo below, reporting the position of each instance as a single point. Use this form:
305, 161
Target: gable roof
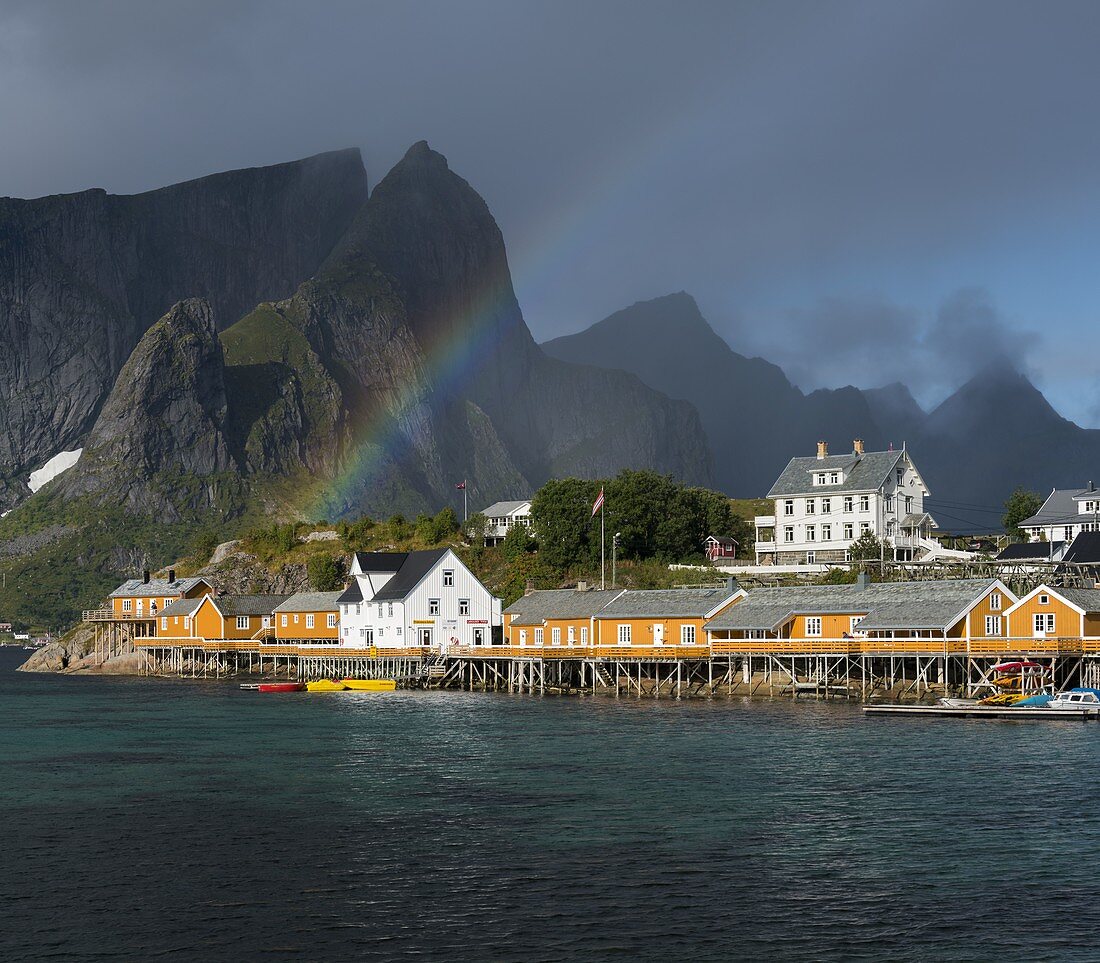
310, 602
536, 607
674, 603
1060, 508
505, 508
182, 607
137, 588
233, 605
1084, 549
380, 561
888, 605
723, 540
1031, 551
865, 472
409, 574
1086, 600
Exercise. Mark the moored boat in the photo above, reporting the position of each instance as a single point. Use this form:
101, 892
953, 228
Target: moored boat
370, 685
282, 686
326, 685
1080, 698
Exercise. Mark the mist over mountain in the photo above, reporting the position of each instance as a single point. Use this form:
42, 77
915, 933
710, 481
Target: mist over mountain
994, 433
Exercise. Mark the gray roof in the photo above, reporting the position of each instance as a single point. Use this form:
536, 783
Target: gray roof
1087, 599
537, 607
182, 607
916, 519
136, 588
351, 594
1059, 508
504, 508
415, 566
888, 605
864, 472
230, 605
659, 603
1031, 551
310, 602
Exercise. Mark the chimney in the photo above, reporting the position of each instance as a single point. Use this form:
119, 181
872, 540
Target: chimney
529, 587
857, 446
863, 580
145, 577
731, 585
582, 586
171, 575
822, 449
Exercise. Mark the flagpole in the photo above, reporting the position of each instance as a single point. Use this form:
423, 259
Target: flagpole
603, 556
465, 511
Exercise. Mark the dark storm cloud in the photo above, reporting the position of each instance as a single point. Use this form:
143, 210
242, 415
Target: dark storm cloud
773, 158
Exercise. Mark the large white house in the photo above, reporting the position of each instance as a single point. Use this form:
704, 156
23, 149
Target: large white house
503, 516
1066, 513
405, 599
824, 503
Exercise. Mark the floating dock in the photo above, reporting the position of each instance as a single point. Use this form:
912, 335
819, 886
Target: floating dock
984, 712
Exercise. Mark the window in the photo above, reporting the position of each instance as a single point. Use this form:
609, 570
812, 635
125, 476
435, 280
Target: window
380, 610
624, 635
788, 533
389, 610
463, 606
864, 503
834, 478
849, 503
127, 605
522, 636
811, 558
826, 533
900, 472
813, 625
584, 635
284, 620
187, 622
433, 606
788, 507
811, 533
1044, 600
330, 620
687, 635
399, 631
167, 602
358, 608
164, 624
995, 601
1043, 622
267, 622
853, 623
539, 636
572, 637
826, 506
849, 532
754, 634
310, 621
819, 478
448, 577
908, 504
1068, 533
555, 636
992, 625
809, 506
889, 503
242, 622
864, 528
295, 618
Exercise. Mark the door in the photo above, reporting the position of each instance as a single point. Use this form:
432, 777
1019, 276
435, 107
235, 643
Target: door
658, 633
425, 636
479, 636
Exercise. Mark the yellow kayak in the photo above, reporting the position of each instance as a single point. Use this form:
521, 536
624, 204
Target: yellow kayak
326, 685
370, 685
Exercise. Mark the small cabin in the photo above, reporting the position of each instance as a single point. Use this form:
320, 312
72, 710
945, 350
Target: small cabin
719, 547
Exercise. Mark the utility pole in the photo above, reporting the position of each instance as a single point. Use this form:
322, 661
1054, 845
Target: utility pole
614, 555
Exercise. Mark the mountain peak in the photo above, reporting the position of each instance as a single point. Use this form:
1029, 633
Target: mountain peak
422, 156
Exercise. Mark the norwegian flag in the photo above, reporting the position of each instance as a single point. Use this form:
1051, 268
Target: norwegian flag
599, 504
461, 486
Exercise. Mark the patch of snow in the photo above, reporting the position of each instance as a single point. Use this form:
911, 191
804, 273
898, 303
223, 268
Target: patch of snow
60, 462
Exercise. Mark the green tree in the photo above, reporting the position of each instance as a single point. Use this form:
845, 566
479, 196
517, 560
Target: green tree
446, 524
1020, 504
561, 518
517, 543
326, 573
868, 547
475, 527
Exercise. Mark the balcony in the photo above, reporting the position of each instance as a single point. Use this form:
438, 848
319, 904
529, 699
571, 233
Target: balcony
765, 521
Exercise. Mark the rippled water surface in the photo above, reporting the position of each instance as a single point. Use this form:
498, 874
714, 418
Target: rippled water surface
147, 819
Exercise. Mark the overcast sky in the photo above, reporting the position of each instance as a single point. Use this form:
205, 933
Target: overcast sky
861, 192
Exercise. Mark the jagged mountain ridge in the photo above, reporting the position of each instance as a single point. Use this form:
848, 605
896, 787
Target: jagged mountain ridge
401, 368
83, 276
995, 433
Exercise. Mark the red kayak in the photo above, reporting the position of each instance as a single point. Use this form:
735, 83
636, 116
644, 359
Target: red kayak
1017, 666
282, 686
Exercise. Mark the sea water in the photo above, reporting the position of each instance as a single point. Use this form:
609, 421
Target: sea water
149, 819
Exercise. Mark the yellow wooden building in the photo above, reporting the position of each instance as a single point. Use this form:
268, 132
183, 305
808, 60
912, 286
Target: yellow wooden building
309, 617
234, 618
1055, 619
144, 598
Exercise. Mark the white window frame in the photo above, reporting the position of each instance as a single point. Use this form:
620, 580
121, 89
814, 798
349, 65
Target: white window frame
811, 533
624, 633
1044, 599
330, 620
813, 626
539, 635
310, 621
555, 635
995, 602
853, 624
433, 606
584, 635
992, 625
244, 623
811, 507
826, 506
571, 634
448, 578
849, 504
834, 478
811, 558
788, 506
284, 620
687, 634
1043, 623
826, 533
788, 533
864, 503
164, 623
463, 606
127, 605
849, 531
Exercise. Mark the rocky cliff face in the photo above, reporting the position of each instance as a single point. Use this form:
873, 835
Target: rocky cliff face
160, 442
82, 276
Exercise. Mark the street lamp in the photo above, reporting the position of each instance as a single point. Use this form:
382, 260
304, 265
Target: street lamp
614, 553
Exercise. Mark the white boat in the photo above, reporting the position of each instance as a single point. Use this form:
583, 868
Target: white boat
1076, 699
949, 703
